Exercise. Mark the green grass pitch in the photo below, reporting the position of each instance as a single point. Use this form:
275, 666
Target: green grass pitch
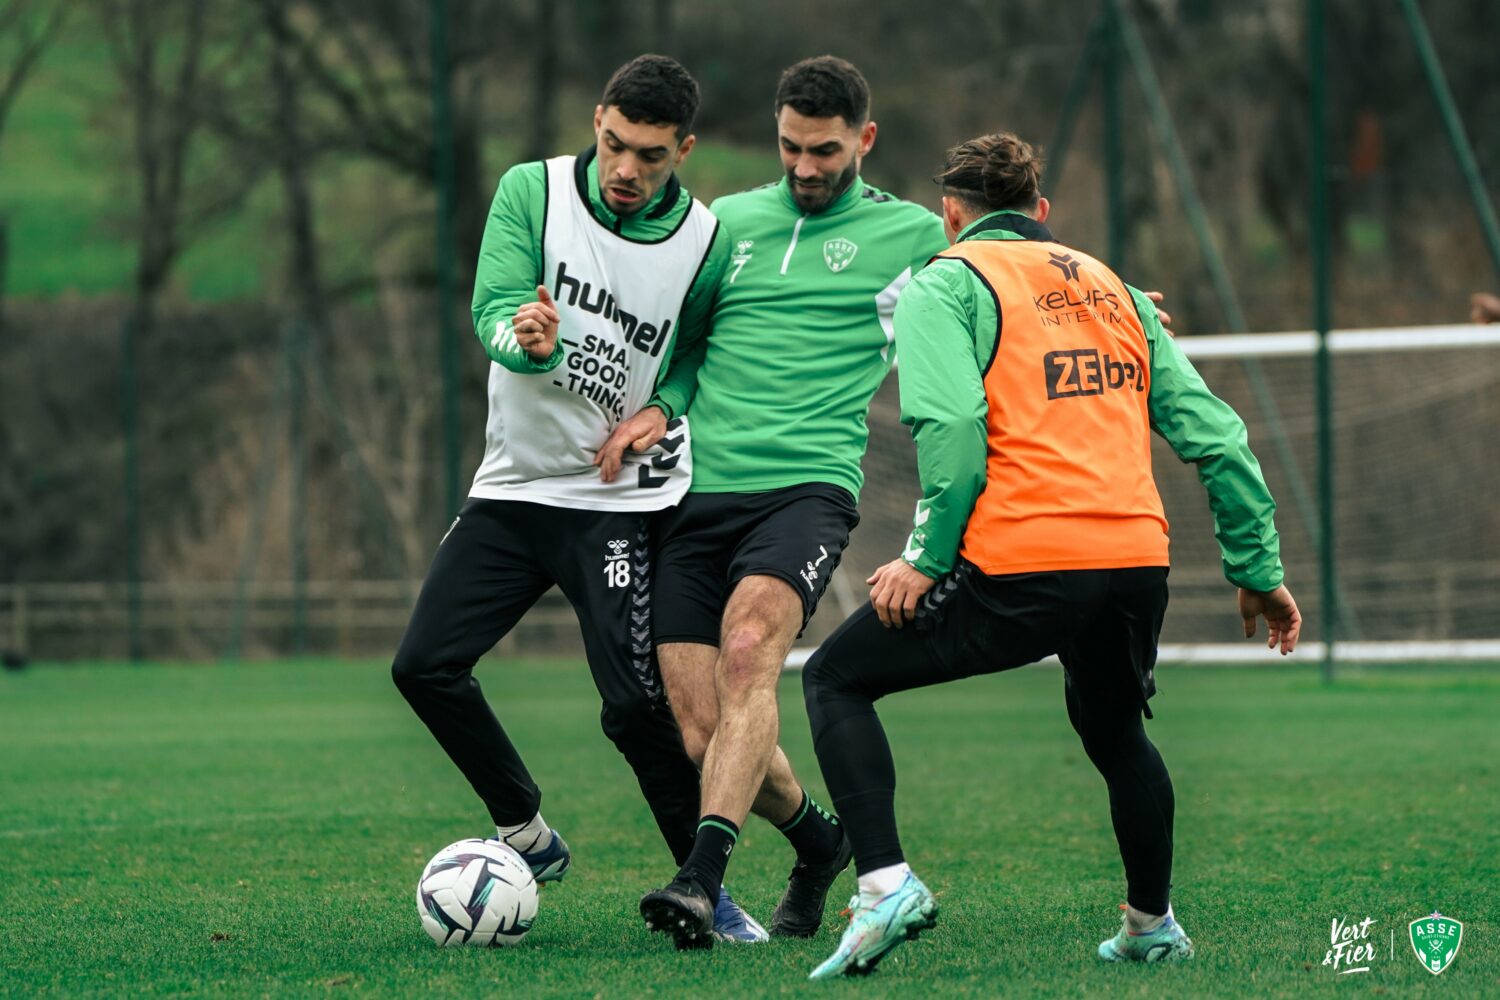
257, 830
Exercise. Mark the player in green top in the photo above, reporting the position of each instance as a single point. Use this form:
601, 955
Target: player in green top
596, 273
801, 340
1007, 440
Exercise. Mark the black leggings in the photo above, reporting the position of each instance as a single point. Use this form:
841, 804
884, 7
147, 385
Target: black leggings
495, 563
1103, 624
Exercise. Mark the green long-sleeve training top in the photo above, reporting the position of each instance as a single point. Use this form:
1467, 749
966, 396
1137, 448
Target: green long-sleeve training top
801, 336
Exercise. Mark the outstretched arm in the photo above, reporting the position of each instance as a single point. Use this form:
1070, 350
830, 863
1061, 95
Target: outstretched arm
1205, 431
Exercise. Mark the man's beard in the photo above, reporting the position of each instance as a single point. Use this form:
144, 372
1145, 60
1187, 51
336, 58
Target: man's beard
813, 202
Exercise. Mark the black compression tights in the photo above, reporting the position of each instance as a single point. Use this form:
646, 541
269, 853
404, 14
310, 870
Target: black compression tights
1140, 794
867, 663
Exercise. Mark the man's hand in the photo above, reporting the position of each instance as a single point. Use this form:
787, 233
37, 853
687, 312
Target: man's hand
1283, 622
895, 589
535, 325
1162, 314
1484, 308
638, 433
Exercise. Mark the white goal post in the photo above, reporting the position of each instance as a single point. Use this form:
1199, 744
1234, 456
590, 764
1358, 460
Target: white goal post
1417, 494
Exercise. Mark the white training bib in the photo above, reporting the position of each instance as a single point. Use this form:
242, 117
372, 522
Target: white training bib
620, 301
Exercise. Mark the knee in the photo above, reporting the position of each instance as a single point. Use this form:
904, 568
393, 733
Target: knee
1111, 738
826, 690
411, 671
621, 719
1075, 709
812, 687
831, 673
745, 641
743, 656
814, 676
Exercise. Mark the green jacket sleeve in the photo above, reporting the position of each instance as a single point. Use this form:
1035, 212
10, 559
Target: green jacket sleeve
678, 382
939, 318
510, 267
1204, 430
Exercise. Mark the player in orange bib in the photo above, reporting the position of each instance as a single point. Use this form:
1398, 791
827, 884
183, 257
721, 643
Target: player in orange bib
1032, 378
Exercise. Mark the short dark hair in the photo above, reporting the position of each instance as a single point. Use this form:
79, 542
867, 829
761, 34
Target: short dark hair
655, 90
993, 172
825, 86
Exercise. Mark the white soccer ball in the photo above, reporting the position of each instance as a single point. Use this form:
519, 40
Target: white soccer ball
476, 892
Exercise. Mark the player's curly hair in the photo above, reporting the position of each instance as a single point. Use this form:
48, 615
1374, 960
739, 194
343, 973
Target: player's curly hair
993, 172
825, 86
656, 90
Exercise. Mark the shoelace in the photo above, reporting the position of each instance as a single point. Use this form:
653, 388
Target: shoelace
848, 911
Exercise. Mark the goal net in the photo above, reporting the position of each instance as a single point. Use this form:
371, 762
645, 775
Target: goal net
1416, 463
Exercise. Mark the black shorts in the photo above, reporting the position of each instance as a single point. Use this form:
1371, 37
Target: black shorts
1102, 624
712, 541
498, 559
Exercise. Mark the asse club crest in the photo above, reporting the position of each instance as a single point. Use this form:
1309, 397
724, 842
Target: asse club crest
1436, 940
838, 254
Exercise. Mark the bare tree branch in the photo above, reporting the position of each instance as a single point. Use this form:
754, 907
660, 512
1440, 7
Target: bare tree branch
373, 129
33, 41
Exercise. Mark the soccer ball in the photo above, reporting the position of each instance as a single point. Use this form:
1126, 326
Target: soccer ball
476, 892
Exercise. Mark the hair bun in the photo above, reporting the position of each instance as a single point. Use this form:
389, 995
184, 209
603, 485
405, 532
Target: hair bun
996, 171
1011, 172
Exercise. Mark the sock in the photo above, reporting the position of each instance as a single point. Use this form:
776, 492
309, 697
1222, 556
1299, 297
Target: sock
1140, 922
881, 882
710, 856
528, 836
813, 832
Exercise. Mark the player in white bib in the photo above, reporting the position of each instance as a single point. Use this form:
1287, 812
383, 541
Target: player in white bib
597, 272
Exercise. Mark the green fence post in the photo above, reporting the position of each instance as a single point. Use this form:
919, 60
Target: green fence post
1322, 320
1454, 126
442, 144
1062, 136
297, 433
1114, 136
132, 496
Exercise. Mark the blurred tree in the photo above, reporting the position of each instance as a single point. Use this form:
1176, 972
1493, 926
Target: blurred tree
367, 65
541, 139
159, 50
26, 29
663, 18
330, 101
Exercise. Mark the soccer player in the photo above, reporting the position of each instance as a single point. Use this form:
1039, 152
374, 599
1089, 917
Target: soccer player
596, 274
1032, 378
801, 341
